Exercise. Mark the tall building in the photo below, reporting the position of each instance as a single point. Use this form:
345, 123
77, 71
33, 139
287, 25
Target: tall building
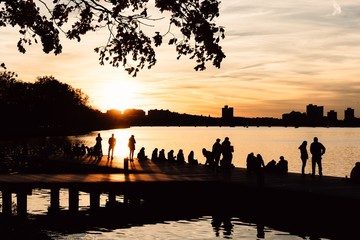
315, 114
227, 113
349, 114
332, 116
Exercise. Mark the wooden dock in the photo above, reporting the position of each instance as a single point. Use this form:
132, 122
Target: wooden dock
294, 197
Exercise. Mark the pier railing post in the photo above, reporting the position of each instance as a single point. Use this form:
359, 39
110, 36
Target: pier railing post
73, 200
54, 200
112, 197
6, 203
126, 164
94, 200
22, 203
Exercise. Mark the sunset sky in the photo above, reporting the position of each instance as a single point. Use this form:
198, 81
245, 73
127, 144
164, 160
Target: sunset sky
281, 55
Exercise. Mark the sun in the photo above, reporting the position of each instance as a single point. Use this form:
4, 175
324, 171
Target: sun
119, 94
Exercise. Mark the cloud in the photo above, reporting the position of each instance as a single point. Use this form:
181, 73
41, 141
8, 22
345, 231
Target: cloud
337, 8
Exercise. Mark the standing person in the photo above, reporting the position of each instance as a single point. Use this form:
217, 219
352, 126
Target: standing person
131, 146
317, 149
112, 143
226, 149
98, 146
216, 150
303, 156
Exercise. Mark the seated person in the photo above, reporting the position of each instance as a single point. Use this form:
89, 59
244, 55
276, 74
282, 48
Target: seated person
282, 166
162, 157
271, 166
141, 155
250, 162
209, 157
180, 157
171, 157
77, 150
191, 159
154, 155
355, 173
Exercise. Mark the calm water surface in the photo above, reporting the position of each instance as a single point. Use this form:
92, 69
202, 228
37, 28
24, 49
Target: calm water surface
342, 151
342, 144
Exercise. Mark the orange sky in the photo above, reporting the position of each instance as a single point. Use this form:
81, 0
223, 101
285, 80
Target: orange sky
280, 56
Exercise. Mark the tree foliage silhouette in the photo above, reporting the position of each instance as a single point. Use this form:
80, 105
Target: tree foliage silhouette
44, 106
127, 44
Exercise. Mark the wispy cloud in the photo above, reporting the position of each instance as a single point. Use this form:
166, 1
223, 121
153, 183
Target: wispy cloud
337, 8
280, 56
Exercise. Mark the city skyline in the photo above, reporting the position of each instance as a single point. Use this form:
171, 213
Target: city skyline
228, 112
281, 54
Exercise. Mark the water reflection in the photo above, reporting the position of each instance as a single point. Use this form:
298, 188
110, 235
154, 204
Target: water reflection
222, 223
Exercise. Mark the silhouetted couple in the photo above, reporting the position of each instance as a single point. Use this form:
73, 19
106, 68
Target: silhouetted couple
227, 154
254, 164
280, 167
317, 149
213, 157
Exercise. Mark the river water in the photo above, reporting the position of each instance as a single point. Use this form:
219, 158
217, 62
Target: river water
342, 144
342, 151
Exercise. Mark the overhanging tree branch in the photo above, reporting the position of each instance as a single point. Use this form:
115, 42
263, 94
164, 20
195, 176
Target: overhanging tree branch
127, 42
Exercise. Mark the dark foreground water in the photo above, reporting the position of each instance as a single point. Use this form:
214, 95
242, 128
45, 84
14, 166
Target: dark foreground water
219, 226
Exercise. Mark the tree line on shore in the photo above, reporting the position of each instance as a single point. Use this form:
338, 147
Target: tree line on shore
46, 107
49, 107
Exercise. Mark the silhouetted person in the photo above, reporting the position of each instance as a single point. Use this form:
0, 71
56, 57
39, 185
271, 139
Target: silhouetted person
83, 149
259, 163
180, 157
251, 163
355, 173
282, 166
131, 146
141, 154
317, 149
209, 158
191, 158
216, 150
226, 150
112, 143
271, 167
154, 155
162, 157
260, 169
303, 156
170, 156
222, 222
76, 150
98, 146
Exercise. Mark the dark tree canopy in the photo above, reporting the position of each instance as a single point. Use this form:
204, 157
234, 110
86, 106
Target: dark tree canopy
43, 106
127, 44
